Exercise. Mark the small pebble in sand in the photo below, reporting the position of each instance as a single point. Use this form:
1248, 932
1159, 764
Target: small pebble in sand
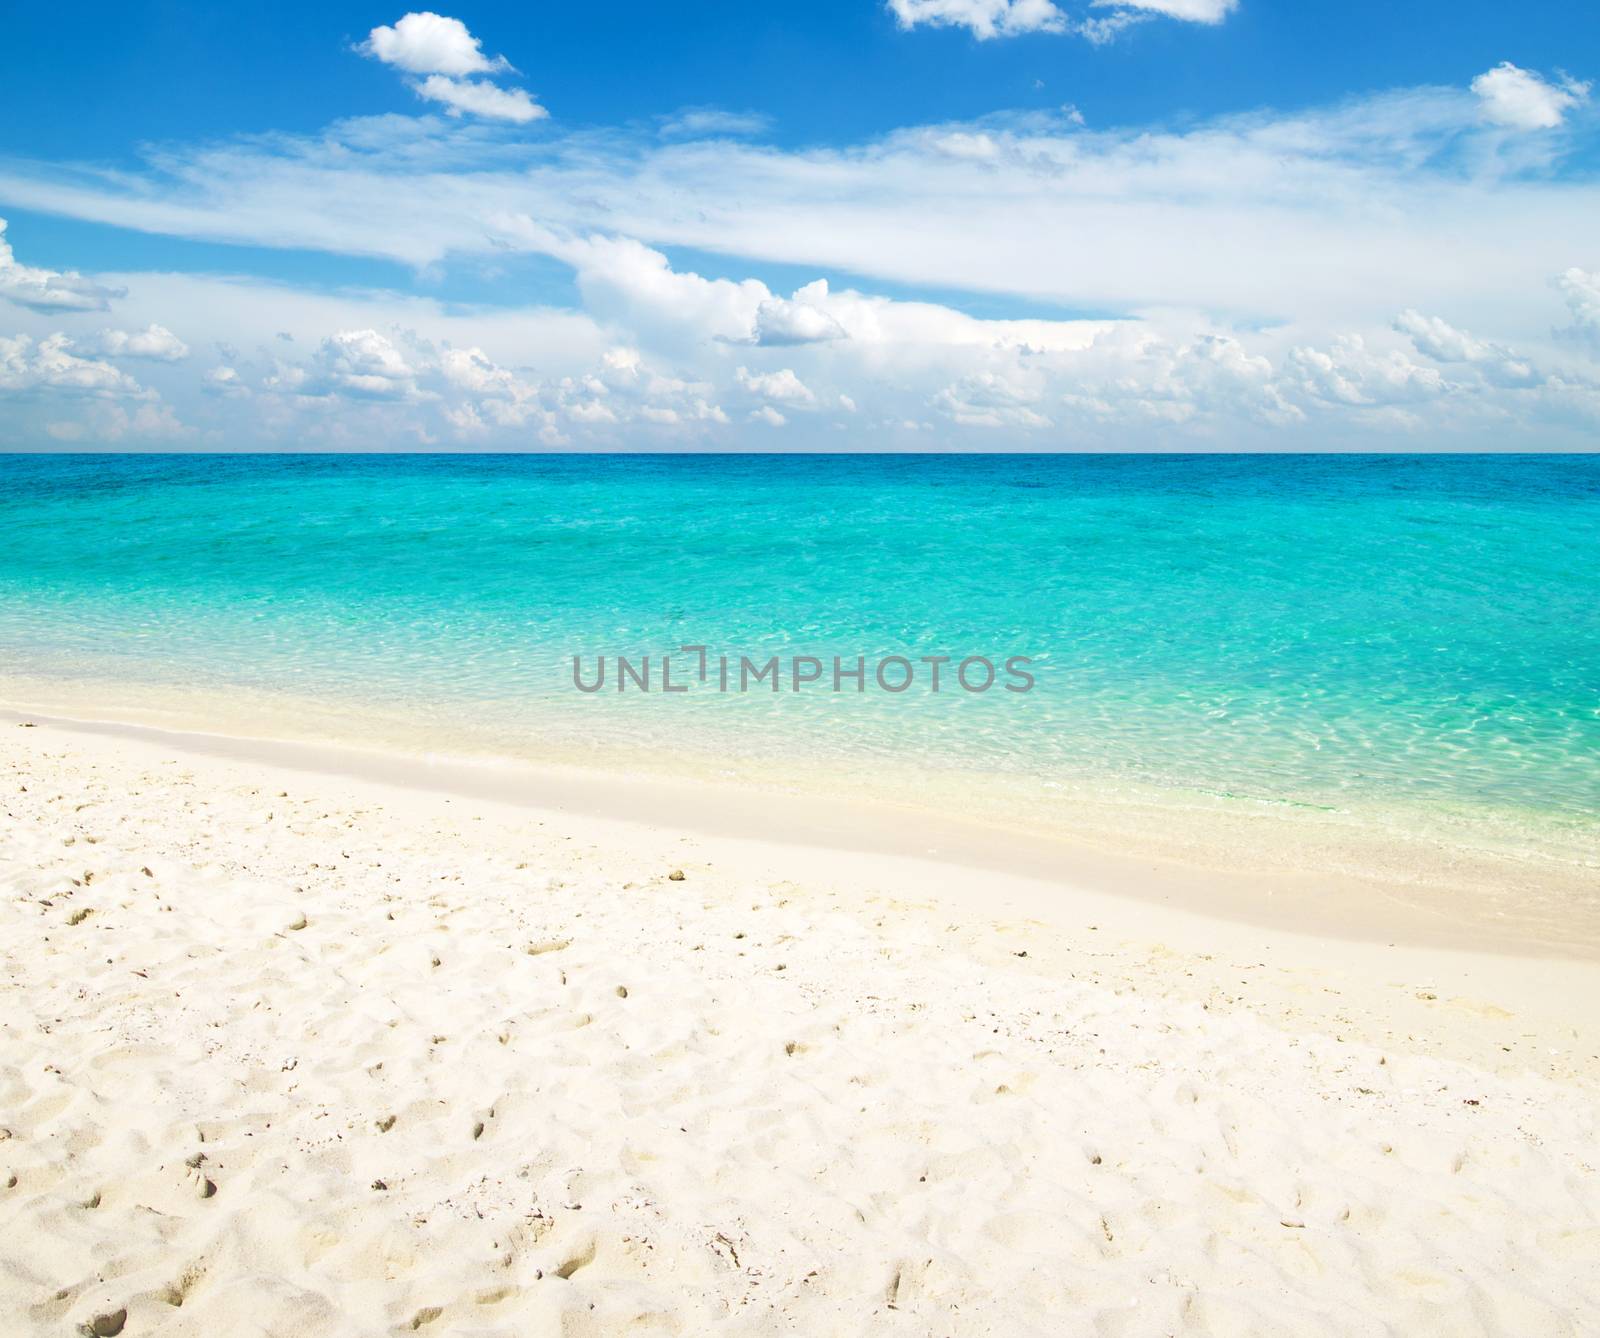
675, 876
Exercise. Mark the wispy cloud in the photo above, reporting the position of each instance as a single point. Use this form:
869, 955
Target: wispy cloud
1390, 269
1262, 217
710, 122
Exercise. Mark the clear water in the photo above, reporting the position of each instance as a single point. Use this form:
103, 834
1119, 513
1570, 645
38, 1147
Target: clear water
1419, 630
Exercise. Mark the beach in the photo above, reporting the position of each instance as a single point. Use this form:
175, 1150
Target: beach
291, 1051
365, 973
914, 669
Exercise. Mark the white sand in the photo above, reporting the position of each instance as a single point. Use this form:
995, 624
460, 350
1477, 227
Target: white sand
293, 1054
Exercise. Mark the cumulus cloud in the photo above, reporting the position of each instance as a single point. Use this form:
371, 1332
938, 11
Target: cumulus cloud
224, 381
622, 279
50, 364
1522, 100
478, 97
155, 342
496, 396
110, 423
1352, 374
1436, 338
990, 399
620, 392
385, 375
1581, 290
1199, 344
986, 19
783, 386
983, 18
363, 364
797, 320
442, 51
429, 43
48, 289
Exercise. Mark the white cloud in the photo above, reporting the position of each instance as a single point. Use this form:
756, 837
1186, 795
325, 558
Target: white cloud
443, 51
1522, 100
47, 289
155, 342
989, 399
1440, 340
1581, 290
1193, 11
984, 18
800, 320
1444, 343
623, 279
224, 381
362, 363
706, 122
478, 97
429, 43
499, 397
1350, 373
472, 369
395, 371
783, 385
111, 423
1239, 342
1265, 190
50, 364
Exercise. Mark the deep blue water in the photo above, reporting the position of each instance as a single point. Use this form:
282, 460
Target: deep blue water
1423, 628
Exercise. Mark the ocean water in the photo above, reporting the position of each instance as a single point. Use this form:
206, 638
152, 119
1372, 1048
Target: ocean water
1417, 633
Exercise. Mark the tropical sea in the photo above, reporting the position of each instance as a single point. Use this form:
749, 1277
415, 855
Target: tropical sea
1392, 642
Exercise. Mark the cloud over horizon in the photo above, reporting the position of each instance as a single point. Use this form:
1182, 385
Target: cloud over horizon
1400, 268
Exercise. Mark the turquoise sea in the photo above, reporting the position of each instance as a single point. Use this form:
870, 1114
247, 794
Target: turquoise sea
1419, 631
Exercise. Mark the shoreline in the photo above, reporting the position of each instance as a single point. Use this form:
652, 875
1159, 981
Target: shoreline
1441, 995
1314, 893
303, 1052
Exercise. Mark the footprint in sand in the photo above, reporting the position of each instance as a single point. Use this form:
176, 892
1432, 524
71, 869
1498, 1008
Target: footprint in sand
205, 1187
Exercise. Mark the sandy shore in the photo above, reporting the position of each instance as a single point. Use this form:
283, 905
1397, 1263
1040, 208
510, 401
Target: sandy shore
292, 1053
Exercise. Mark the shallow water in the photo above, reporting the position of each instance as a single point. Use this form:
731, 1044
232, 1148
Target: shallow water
1413, 632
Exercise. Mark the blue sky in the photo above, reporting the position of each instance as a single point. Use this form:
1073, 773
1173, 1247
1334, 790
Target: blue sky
912, 224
